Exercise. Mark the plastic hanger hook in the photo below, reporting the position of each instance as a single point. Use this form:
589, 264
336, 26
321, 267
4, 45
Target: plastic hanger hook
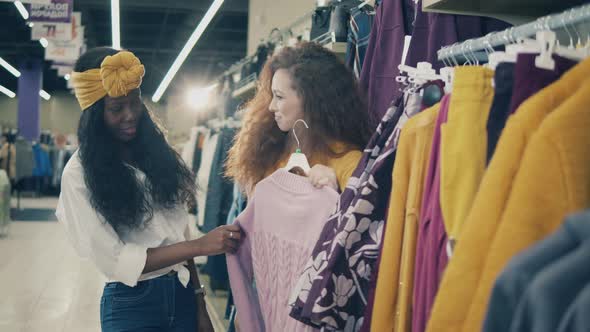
295, 134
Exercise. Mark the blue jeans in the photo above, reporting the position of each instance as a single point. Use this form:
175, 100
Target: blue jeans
161, 304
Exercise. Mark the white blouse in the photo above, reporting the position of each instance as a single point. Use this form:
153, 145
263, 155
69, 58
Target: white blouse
119, 259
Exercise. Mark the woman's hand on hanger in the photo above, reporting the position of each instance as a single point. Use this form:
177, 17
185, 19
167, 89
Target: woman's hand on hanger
321, 175
222, 239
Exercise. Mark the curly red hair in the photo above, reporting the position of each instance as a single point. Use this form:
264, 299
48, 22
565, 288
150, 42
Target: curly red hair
333, 107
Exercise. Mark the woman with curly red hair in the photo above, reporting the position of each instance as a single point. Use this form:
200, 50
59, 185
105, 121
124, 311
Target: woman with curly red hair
304, 82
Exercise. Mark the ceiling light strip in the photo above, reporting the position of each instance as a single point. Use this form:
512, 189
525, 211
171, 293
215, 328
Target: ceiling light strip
191, 42
22, 10
10, 68
7, 92
44, 95
116, 24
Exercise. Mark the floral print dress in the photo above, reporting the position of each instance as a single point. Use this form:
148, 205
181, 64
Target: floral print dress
332, 292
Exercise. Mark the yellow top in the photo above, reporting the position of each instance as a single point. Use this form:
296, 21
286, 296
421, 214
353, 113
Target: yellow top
392, 306
117, 76
343, 166
464, 270
553, 181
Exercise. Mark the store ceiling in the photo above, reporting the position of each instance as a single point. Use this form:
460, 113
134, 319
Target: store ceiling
155, 30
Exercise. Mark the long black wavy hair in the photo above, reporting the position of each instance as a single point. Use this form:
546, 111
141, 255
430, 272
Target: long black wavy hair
115, 192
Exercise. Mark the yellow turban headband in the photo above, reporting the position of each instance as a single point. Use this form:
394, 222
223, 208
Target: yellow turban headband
117, 76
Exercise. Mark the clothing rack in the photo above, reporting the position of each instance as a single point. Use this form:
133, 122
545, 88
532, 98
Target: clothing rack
480, 47
284, 33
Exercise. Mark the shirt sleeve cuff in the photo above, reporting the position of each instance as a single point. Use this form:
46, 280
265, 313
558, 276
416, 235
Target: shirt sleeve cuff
130, 264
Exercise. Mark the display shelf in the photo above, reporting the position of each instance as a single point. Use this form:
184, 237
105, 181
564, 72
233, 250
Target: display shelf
246, 89
337, 47
512, 11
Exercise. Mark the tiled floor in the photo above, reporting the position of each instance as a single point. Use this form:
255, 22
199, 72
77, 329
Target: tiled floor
44, 286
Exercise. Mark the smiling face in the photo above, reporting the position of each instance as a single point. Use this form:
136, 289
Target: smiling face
122, 115
286, 103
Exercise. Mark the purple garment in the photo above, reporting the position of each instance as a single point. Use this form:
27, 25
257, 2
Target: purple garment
432, 31
503, 83
410, 108
431, 256
528, 79
384, 54
339, 272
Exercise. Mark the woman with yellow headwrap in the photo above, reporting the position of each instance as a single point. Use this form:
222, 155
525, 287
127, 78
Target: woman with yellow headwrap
123, 204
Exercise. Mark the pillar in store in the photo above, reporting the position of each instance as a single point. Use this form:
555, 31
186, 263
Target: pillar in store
29, 101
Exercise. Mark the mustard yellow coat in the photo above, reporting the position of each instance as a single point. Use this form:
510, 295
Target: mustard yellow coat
392, 306
552, 182
464, 271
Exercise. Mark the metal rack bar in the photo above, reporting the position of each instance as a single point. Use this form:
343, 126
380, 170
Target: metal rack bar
551, 22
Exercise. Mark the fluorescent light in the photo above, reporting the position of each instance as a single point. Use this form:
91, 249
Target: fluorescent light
191, 42
44, 95
31, 24
43, 42
67, 77
7, 92
199, 98
10, 68
22, 10
116, 24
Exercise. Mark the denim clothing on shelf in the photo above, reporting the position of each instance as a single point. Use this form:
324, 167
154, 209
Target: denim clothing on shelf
359, 33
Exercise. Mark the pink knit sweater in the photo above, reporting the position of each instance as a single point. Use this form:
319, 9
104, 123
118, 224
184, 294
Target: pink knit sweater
281, 223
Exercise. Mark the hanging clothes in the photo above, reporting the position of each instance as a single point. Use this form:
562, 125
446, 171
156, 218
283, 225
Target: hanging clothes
25, 160
189, 148
209, 148
198, 151
538, 203
219, 187
412, 105
464, 145
454, 299
42, 162
302, 310
503, 83
383, 56
359, 34
432, 31
392, 305
238, 205
217, 206
431, 257
5, 190
551, 292
515, 281
8, 157
529, 79
335, 297
577, 316
278, 238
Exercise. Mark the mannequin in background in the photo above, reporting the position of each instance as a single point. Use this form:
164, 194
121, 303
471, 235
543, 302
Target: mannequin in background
311, 83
